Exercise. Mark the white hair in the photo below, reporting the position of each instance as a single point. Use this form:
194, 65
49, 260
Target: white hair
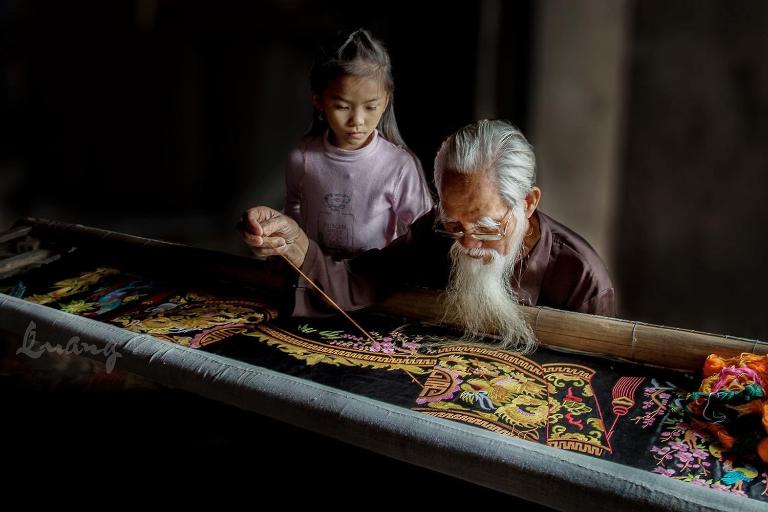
494, 146
481, 298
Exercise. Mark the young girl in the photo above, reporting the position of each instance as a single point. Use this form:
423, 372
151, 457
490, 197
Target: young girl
351, 180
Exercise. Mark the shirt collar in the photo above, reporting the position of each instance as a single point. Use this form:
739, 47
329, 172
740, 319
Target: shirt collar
350, 154
532, 268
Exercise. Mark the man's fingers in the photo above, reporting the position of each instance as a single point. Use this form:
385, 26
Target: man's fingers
252, 222
275, 227
262, 220
274, 242
257, 241
268, 233
254, 218
267, 252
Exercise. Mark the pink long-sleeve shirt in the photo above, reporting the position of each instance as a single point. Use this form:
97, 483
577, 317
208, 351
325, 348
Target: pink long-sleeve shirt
349, 201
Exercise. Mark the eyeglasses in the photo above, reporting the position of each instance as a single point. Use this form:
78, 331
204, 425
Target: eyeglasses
454, 230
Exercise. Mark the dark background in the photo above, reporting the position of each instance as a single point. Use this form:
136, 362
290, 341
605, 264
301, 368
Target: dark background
167, 118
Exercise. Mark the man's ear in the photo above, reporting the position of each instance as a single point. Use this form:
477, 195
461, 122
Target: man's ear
316, 103
532, 199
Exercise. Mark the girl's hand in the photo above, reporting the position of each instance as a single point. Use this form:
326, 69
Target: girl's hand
268, 232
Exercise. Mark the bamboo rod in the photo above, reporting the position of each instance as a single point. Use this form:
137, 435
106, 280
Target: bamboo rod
160, 257
19, 261
634, 341
14, 233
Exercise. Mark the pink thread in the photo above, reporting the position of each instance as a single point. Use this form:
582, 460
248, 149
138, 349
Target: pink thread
736, 373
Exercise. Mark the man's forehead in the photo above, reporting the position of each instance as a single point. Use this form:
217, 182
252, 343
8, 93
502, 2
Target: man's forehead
475, 177
469, 194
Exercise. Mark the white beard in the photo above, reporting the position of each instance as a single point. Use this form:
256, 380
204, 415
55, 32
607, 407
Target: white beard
480, 295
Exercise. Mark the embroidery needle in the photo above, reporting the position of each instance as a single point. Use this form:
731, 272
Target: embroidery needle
325, 295
333, 303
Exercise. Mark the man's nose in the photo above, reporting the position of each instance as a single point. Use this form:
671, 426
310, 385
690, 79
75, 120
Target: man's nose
470, 243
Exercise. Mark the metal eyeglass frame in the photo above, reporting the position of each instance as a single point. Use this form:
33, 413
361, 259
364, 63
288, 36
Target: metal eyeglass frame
486, 237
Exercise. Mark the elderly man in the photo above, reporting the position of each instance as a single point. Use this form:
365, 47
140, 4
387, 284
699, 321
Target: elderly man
486, 244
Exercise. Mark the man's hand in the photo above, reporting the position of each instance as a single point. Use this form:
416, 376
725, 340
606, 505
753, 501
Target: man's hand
268, 232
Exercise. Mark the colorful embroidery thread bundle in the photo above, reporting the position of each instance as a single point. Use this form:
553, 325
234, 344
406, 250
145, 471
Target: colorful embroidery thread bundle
731, 403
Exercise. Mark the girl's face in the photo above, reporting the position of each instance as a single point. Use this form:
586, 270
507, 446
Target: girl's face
352, 106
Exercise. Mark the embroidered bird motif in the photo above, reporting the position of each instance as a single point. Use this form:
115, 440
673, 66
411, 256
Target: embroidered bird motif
738, 476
